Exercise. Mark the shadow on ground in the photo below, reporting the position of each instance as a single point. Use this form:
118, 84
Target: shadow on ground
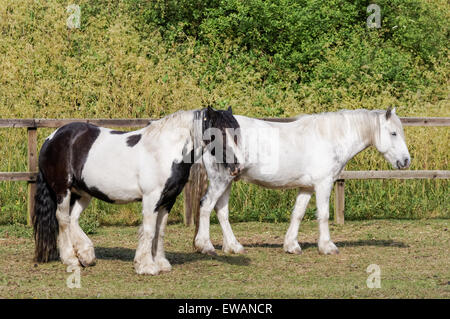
345, 243
179, 258
175, 258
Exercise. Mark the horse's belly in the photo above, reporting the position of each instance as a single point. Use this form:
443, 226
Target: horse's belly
277, 179
112, 187
112, 181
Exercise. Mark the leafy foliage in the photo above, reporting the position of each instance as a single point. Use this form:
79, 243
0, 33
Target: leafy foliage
311, 40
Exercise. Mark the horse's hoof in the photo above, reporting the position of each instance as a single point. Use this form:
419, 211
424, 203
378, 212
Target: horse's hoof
238, 249
210, 252
292, 248
295, 251
328, 248
332, 252
87, 258
147, 269
87, 263
164, 265
205, 247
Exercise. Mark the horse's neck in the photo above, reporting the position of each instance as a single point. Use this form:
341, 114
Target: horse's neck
359, 135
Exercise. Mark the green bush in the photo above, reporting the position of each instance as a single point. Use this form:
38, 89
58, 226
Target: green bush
311, 40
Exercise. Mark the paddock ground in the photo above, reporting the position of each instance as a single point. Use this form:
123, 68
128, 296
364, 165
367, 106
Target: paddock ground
413, 256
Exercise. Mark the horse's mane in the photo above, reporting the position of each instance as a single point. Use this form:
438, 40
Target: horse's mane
177, 120
338, 124
340, 112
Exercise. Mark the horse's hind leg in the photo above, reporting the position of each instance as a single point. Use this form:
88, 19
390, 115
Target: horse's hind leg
66, 251
290, 240
326, 246
158, 243
230, 243
84, 249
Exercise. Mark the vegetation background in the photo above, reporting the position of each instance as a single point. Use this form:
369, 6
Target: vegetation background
279, 58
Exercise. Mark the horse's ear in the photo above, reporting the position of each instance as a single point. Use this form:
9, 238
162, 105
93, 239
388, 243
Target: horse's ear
389, 112
230, 110
210, 110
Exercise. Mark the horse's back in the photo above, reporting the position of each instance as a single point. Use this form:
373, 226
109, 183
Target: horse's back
285, 155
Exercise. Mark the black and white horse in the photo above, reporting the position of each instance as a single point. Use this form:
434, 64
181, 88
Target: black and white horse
80, 161
307, 154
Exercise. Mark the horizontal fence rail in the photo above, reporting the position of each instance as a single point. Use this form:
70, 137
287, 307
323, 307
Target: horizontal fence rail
54, 123
406, 121
137, 123
18, 176
196, 186
423, 174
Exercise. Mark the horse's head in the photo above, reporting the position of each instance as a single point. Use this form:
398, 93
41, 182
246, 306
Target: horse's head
390, 140
225, 145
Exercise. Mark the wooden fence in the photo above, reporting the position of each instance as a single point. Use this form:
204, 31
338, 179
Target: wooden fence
196, 186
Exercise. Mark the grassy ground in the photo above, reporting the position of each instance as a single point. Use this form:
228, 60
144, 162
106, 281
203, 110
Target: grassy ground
413, 257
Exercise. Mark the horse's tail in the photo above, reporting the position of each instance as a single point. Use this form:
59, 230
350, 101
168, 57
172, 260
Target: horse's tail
45, 223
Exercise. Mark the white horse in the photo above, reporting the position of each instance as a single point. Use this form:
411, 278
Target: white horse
309, 154
80, 161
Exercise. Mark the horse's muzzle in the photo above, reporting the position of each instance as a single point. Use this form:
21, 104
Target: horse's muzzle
403, 164
235, 170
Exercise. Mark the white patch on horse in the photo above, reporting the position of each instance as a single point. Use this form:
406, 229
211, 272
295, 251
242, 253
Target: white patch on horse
113, 167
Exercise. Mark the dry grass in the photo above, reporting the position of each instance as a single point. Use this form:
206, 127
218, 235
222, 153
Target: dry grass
413, 257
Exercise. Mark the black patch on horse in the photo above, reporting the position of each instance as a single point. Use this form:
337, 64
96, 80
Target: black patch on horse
63, 169
117, 132
79, 184
132, 140
73, 198
175, 183
94, 191
62, 158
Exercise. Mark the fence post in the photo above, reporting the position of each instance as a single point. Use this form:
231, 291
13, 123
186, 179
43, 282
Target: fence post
32, 168
193, 192
339, 202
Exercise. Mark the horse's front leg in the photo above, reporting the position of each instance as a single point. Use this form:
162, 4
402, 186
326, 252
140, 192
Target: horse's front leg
158, 243
291, 239
202, 241
323, 190
144, 262
230, 243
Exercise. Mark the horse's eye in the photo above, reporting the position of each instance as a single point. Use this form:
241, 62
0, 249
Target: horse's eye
394, 134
